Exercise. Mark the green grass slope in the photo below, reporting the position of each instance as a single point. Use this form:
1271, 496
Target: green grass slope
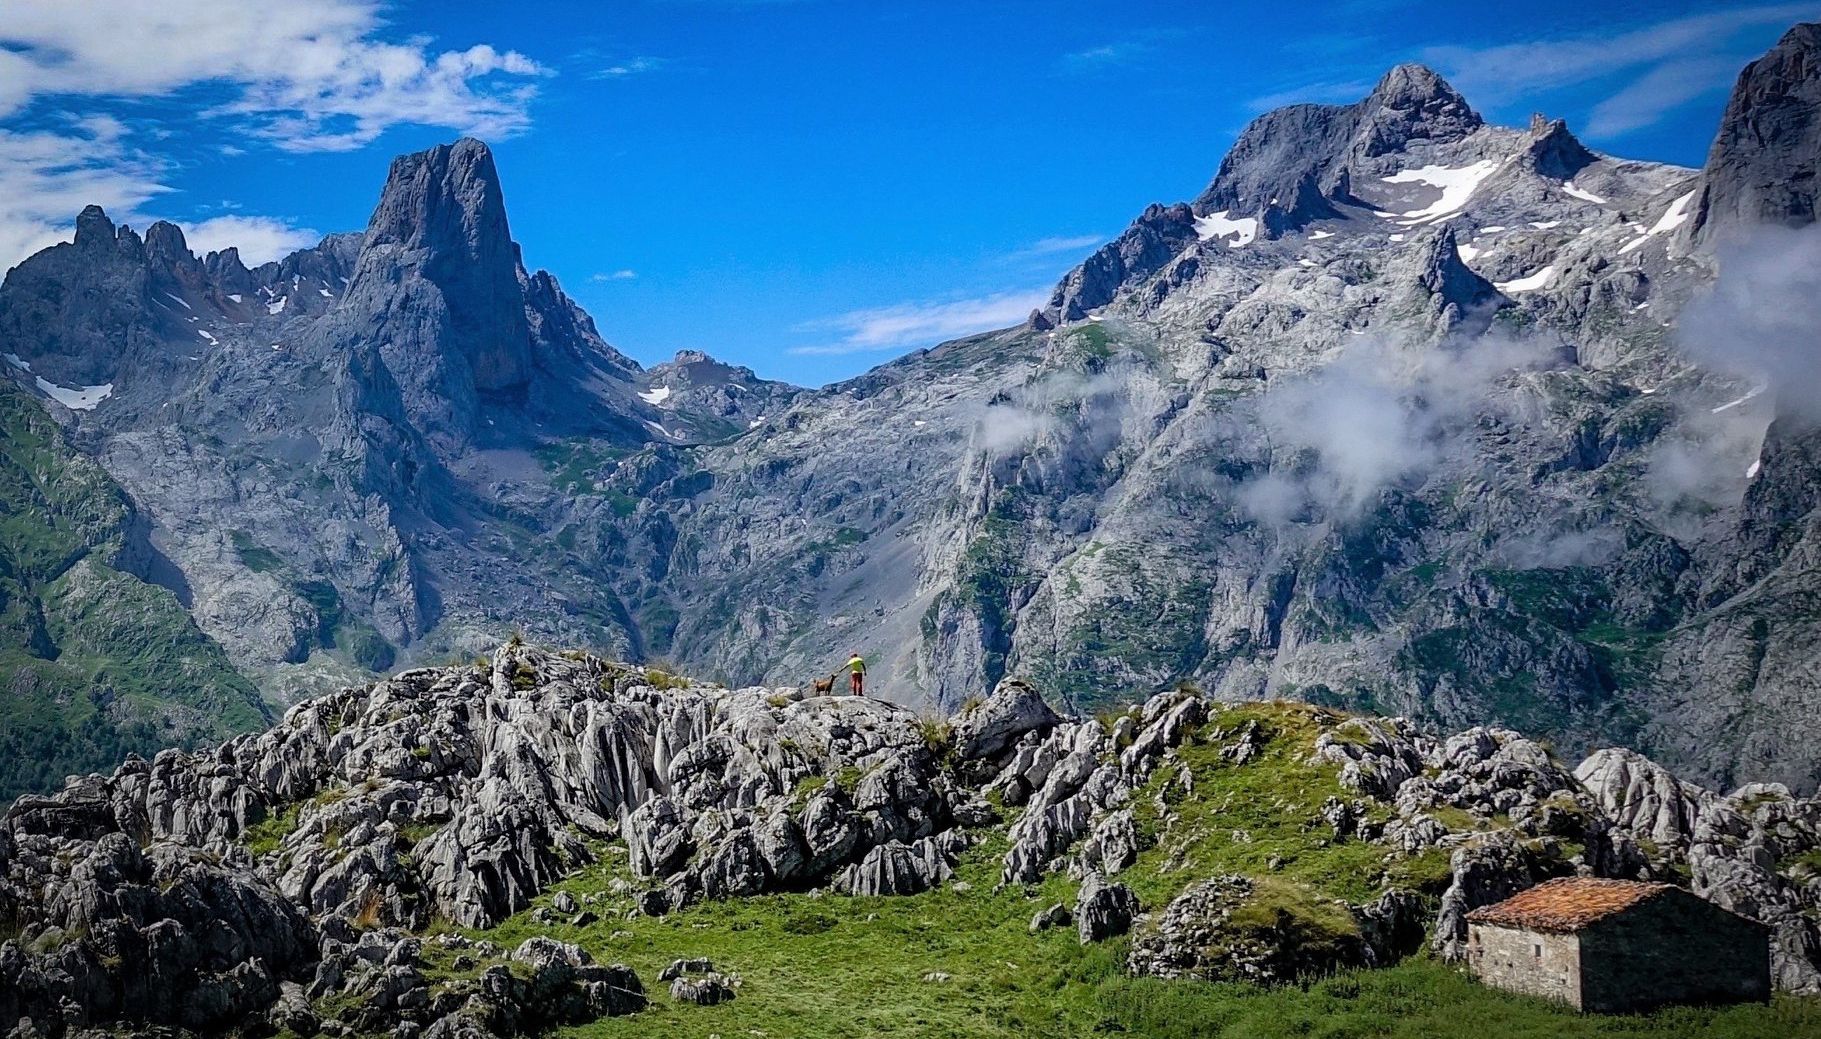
94, 662
960, 961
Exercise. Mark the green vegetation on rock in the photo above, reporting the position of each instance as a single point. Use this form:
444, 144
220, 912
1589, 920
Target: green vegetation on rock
961, 961
95, 663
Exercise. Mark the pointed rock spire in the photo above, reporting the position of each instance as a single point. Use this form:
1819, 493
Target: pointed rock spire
442, 215
1412, 102
93, 227
1765, 162
1554, 152
164, 240
447, 198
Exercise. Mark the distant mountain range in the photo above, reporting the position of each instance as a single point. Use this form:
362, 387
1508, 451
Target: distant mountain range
1404, 412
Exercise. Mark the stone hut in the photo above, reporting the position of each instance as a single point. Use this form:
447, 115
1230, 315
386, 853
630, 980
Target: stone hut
1618, 945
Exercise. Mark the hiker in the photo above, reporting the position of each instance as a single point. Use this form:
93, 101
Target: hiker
857, 669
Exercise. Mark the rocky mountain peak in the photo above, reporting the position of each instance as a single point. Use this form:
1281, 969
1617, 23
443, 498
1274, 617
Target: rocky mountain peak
1412, 102
1762, 166
93, 227
447, 199
1456, 293
164, 240
1553, 151
438, 288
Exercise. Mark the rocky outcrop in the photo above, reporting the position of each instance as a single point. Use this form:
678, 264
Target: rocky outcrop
895, 868
1643, 798
1761, 167
282, 879
165, 935
985, 730
1103, 910
1208, 933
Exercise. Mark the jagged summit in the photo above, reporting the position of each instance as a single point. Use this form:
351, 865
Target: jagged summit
1412, 102
1292, 165
93, 227
1761, 166
1552, 150
442, 217
447, 199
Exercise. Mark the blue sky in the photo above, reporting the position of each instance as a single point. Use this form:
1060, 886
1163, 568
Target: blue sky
808, 187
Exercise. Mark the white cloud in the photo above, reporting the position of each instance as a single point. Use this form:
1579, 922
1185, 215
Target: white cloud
1702, 49
1377, 415
623, 274
307, 77
1059, 244
628, 67
1330, 92
907, 325
259, 238
1104, 56
1140, 47
1662, 89
47, 176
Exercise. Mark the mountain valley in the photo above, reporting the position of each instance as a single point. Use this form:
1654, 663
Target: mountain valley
1405, 413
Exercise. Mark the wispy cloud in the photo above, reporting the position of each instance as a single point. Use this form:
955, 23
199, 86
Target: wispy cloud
259, 238
320, 76
1054, 244
926, 323
1672, 62
1332, 92
307, 77
1136, 48
1107, 55
1662, 89
47, 176
628, 67
623, 274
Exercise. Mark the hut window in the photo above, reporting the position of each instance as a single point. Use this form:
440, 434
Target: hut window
1537, 948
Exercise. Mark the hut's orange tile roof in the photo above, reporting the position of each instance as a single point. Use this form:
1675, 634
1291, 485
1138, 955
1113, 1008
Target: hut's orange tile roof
1568, 904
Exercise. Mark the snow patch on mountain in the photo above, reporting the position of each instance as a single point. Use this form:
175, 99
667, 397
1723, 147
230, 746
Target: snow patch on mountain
1529, 282
1582, 194
1731, 404
82, 398
1456, 183
1243, 229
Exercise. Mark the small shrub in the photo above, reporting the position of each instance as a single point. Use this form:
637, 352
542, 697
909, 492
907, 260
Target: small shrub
937, 734
369, 916
848, 778
264, 836
413, 834
658, 678
810, 923
808, 787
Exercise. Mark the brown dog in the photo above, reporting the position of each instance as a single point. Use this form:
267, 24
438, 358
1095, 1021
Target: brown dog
824, 685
